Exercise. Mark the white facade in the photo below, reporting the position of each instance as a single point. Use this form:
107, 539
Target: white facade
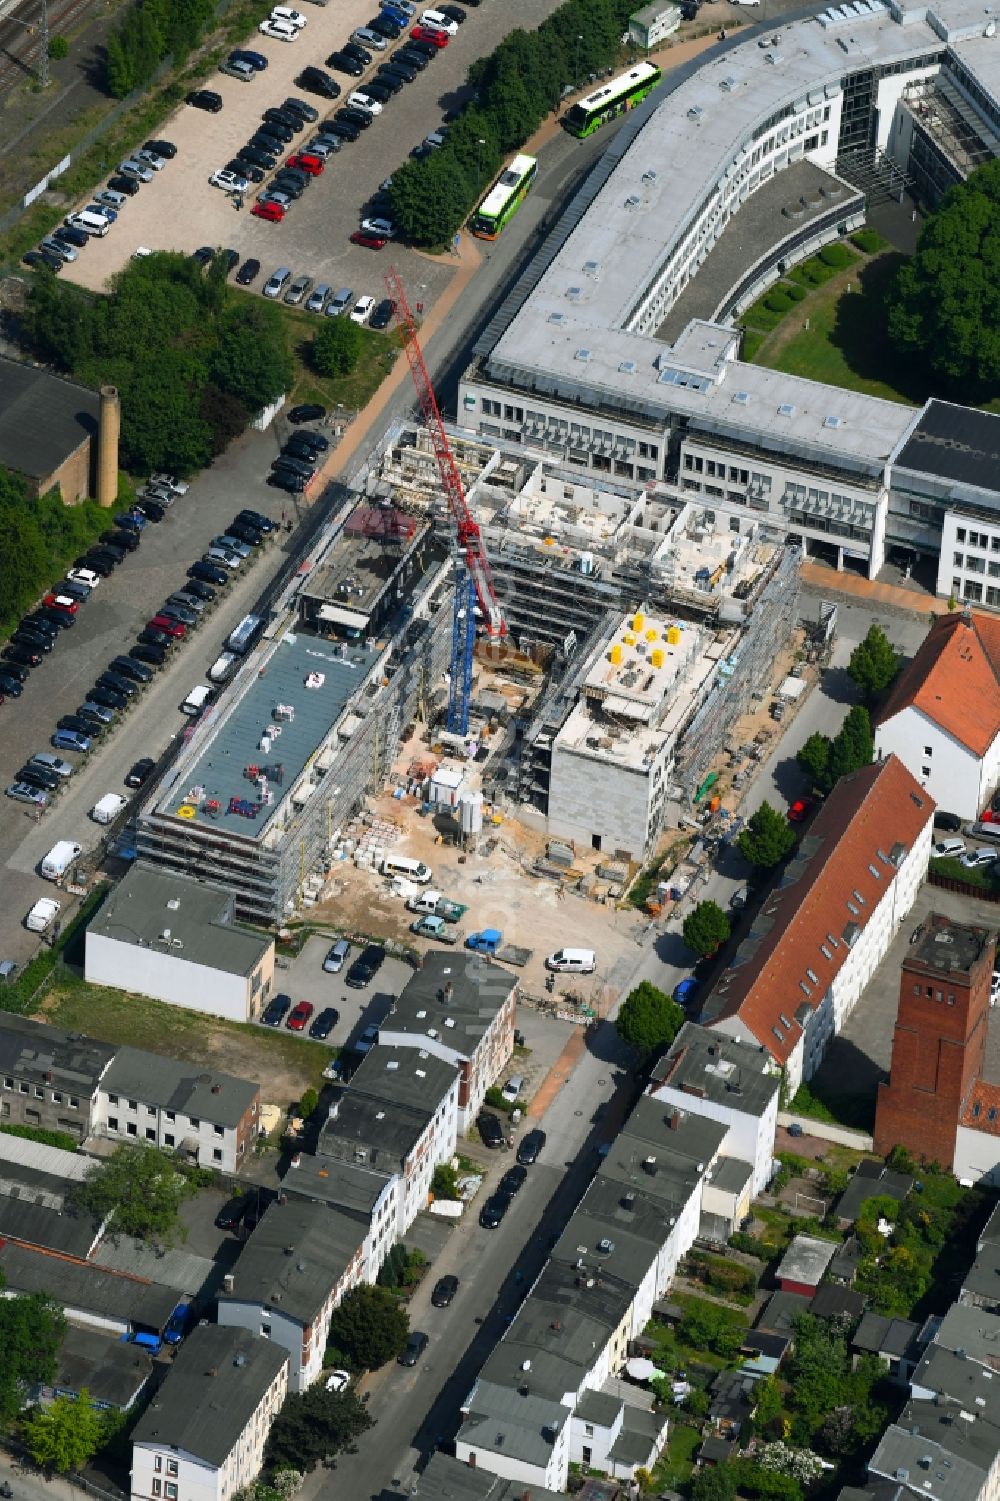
222, 1147
551, 1477
977, 1157
163, 1473
436, 1146
750, 1137
955, 777
164, 975
969, 565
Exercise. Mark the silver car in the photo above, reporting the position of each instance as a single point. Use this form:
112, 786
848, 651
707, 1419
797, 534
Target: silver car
60, 248
298, 290
150, 159
242, 549
369, 39
276, 282
137, 169
317, 298
223, 556
190, 601
22, 793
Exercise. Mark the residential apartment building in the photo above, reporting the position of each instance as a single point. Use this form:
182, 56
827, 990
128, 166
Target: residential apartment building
175, 939
209, 1118
203, 1436
298, 1263
460, 1008
367, 1196
729, 1080
821, 933
48, 1077
942, 716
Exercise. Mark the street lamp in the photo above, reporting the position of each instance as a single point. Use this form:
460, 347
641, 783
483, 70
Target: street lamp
579, 44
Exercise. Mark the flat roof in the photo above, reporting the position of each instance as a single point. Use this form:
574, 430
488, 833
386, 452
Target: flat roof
447, 1479
378, 1119
456, 996
36, 1051
188, 1089
82, 1285
343, 1185
228, 741
294, 1258
945, 947
709, 1065
111, 1372
43, 418
218, 1379
362, 558
806, 1259
961, 444
150, 901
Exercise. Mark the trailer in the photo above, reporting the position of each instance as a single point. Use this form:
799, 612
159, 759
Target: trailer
490, 941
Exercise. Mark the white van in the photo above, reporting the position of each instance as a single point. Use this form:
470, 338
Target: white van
196, 699
572, 961
91, 223
59, 859
107, 809
413, 870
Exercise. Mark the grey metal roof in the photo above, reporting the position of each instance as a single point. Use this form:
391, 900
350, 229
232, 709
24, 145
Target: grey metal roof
955, 443
990, 1233
345, 1185
43, 418
871, 1180
382, 1114
146, 1305
731, 1175
917, 1452
36, 1222
832, 1301
983, 1276
636, 1444
972, 1330
448, 1479
460, 1015
612, 1247
806, 1259
664, 1161
111, 1372
150, 901
709, 1065
39, 1053
172, 1266
55, 1162
505, 1421
217, 1381
155, 1079
598, 1408
781, 1310
226, 742
294, 1258
965, 1382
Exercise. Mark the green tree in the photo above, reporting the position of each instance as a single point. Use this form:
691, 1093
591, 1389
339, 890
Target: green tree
706, 928
31, 1331
854, 746
252, 361
709, 1326
444, 1184
58, 48
314, 1426
767, 838
308, 1103
392, 1272
649, 1019
814, 758
946, 301
766, 1485
336, 347
138, 1190
431, 198
369, 1327
874, 662
768, 1413
65, 1435
715, 1484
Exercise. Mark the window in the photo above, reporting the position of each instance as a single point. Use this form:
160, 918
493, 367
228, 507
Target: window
925, 771
587, 1453
958, 559
195, 1123
588, 1429
170, 1491
112, 1099
39, 1092
157, 1487
168, 1139
973, 591
132, 1129
22, 1088
825, 951
171, 1467
928, 750
158, 1463
57, 1098
960, 534
112, 1123
217, 1154
975, 565
854, 911
170, 1115
150, 1133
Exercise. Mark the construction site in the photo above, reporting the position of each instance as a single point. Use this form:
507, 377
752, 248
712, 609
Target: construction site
488, 639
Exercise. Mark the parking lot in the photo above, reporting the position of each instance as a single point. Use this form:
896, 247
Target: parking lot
304, 979
178, 210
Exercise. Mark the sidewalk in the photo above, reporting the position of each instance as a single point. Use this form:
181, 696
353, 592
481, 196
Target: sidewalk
914, 601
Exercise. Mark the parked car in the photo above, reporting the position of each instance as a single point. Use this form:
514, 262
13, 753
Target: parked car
318, 82
337, 957
183, 613
168, 626
369, 242
85, 576
309, 411
200, 590
444, 1291
207, 572
24, 792
530, 1147
206, 99
100, 715
324, 1023
130, 668
493, 1211
166, 149
248, 272
416, 1344
344, 63
513, 1180
52, 763
490, 1128
38, 776
153, 656
71, 740
272, 212
118, 683
255, 59
299, 1016
140, 772
297, 289
276, 1010
276, 282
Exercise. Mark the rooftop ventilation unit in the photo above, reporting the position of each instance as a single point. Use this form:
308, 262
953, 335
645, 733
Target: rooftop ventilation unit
592, 269
695, 112
583, 354
628, 367
833, 421
649, 177
574, 294
786, 409
741, 398
728, 84
557, 318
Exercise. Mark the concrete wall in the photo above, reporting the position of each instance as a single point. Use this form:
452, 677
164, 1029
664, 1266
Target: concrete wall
955, 778
592, 798
165, 975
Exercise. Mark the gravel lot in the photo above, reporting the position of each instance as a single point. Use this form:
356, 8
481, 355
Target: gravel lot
180, 211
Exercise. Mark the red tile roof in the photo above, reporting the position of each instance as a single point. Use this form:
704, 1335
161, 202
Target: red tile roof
954, 680
981, 1099
799, 941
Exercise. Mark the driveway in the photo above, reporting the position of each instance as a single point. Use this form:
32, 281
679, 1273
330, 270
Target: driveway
180, 211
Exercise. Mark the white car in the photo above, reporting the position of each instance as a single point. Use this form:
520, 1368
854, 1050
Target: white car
362, 309
364, 101
84, 576
280, 30
43, 913
435, 21
286, 13
382, 227
230, 182
338, 1381
168, 482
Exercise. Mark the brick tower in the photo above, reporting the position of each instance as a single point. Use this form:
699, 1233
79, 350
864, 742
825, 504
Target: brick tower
939, 1039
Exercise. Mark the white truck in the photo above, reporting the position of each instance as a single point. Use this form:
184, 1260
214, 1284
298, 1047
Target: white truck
43, 914
107, 808
59, 859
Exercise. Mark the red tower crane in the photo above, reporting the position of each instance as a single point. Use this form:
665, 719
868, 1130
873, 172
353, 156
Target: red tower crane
469, 536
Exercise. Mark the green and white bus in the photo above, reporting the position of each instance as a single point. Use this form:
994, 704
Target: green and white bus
611, 99
504, 198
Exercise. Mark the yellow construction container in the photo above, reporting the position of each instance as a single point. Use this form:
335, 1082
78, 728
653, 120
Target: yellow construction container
651, 635
616, 654
674, 635
629, 639
638, 620
656, 656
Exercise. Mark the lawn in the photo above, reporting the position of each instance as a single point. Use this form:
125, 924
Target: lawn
379, 352
284, 1065
676, 1464
847, 342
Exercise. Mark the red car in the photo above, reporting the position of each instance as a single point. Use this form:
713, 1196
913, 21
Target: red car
61, 602
370, 242
801, 809
273, 212
167, 626
301, 1014
306, 163
436, 38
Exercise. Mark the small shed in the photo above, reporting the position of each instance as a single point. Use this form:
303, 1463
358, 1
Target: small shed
804, 1264
648, 27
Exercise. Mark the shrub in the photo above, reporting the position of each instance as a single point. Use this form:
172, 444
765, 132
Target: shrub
796, 292
778, 302
836, 255
868, 240
61, 1139
750, 1245
58, 48
444, 1184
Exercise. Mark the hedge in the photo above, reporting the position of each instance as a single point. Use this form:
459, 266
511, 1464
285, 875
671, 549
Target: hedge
778, 302
796, 292
837, 255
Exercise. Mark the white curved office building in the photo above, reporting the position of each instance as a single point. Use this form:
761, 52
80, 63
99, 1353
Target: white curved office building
616, 353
